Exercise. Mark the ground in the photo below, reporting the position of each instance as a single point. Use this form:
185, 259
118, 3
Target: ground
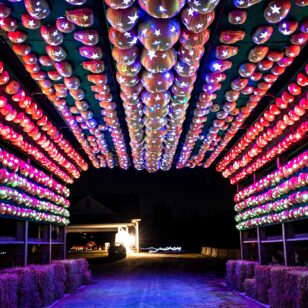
188, 280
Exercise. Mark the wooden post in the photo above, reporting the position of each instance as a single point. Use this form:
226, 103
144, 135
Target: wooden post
285, 255
26, 243
50, 243
241, 245
64, 243
259, 245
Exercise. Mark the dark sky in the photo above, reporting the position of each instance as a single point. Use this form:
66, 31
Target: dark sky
183, 190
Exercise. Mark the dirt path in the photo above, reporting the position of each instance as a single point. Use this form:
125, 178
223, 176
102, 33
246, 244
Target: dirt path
157, 281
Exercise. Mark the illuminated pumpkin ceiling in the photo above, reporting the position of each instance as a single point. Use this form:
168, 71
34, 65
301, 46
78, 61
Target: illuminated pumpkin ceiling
149, 84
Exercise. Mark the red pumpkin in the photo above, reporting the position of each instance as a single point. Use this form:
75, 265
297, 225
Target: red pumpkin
231, 36
244, 4
193, 40
91, 52
64, 25
8, 24
45, 61
51, 35
224, 51
29, 22
123, 20
299, 39
81, 17
287, 27
129, 81
5, 10
277, 10
237, 17
63, 68
129, 70
258, 53
247, 69
37, 9
98, 79
159, 34
56, 53
94, 66
262, 34
21, 49
17, 37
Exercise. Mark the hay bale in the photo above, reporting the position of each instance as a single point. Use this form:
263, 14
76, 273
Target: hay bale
27, 292
263, 282
214, 252
87, 277
230, 273
223, 253
208, 251
250, 287
203, 250
60, 279
45, 281
297, 286
8, 290
243, 270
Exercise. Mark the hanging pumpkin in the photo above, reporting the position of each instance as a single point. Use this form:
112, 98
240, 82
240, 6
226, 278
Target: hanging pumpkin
119, 4
81, 17
162, 8
277, 10
64, 25
247, 69
17, 36
301, 2
91, 52
63, 68
21, 49
127, 56
220, 66
72, 83
184, 81
262, 34
195, 21
123, 20
130, 81
158, 82
8, 24
190, 56
203, 6
45, 61
129, 70
193, 40
98, 79
299, 39
224, 51
5, 10
51, 35
258, 53
124, 40
159, 34
244, 4
56, 53
76, 2
37, 9
29, 22
215, 77
94, 66
87, 37
158, 61
232, 96
54, 75
231, 36
184, 69
237, 17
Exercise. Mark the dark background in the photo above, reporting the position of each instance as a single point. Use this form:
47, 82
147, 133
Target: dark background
187, 207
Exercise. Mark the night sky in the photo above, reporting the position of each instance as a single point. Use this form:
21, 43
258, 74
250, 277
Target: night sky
191, 207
